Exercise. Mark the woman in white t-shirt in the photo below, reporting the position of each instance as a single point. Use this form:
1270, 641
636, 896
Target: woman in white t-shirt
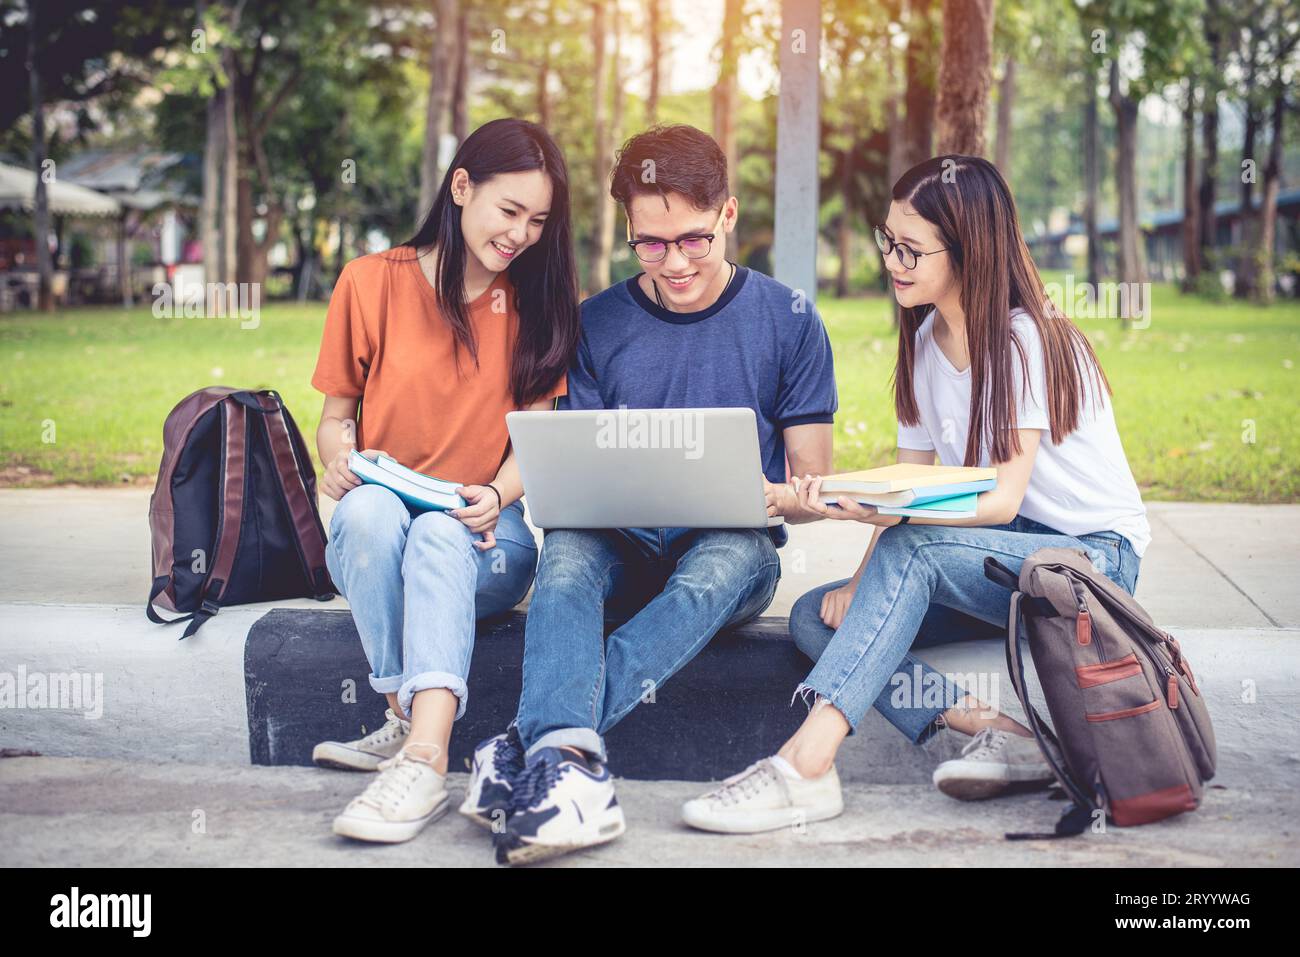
974, 321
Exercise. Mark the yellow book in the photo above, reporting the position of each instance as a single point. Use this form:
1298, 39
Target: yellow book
903, 477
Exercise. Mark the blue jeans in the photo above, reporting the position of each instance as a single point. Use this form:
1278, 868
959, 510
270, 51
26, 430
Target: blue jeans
416, 584
925, 585
680, 586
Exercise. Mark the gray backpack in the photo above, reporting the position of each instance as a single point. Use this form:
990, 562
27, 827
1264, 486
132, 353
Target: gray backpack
1132, 734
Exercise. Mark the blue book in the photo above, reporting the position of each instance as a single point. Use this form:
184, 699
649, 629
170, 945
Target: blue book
904, 497
416, 489
920, 496
958, 506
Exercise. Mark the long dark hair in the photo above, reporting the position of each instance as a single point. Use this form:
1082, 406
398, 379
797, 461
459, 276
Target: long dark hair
966, 199
544, 276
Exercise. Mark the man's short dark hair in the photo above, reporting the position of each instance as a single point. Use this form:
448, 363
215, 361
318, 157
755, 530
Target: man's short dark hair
671, 159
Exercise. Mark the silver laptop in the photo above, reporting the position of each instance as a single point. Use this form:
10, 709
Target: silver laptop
641, 468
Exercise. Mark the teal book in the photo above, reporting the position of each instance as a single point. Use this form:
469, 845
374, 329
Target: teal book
959, 506
416, 489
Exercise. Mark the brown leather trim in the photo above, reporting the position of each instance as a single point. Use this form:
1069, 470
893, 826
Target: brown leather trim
1153, 806
1126, 713
1083, 628
301, 508
162, 522
1089, 676
232, 496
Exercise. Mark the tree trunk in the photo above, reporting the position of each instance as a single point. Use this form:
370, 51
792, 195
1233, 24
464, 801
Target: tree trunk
1091, 176
919, 97
441, 83
41, 199
1243, 286
1132, 270
1265, 254
210, 204
725, 97
229, 211
1210, 140
894, 119
1191, 203
124, 259
965, 76
460, 98
656, 49
601, 241
544, 71
1006, 100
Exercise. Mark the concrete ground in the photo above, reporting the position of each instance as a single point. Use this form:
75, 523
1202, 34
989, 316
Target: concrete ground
58, 811
76, 560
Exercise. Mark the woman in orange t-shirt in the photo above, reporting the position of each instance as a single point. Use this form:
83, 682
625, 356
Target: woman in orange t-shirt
426, 348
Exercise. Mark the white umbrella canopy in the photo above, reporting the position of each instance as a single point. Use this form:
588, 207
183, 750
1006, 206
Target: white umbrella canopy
18, 191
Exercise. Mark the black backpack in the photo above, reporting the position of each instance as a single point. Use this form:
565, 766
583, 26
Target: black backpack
233, 517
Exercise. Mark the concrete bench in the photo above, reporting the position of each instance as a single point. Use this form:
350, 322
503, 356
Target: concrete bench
264, 683
306, 678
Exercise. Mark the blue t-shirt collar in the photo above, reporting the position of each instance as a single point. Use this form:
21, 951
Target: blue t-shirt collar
685, 318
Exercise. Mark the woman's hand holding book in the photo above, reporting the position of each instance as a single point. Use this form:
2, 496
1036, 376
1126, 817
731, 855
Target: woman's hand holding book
481, 514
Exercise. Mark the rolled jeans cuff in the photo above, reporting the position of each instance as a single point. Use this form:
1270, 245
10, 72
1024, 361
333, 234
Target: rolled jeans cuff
390, 685
434, 679
583, 738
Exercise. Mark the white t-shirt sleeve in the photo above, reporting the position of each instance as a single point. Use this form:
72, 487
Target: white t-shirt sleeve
1031, 399
914, 437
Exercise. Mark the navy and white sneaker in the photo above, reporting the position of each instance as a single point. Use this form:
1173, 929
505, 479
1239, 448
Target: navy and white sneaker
497, 762
561, 803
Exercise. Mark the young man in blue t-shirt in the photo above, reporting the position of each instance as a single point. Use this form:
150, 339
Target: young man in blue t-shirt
692, 330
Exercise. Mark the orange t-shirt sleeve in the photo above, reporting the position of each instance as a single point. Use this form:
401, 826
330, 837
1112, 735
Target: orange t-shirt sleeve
345, 347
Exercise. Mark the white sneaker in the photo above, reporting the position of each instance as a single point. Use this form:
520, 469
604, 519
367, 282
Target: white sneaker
407, 795
559, 804
497, 762
992, 762
765, 798
364, 754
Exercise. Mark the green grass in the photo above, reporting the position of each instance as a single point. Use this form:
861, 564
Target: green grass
1185, 392
1186, 389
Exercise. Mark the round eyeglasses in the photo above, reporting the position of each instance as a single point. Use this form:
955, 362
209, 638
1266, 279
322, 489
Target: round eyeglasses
902, 252
695, 246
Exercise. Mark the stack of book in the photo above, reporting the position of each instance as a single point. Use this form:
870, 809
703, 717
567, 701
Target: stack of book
416, 489
918, 491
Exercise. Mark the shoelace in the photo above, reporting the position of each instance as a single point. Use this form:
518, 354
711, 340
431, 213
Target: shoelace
396, 777
391, 729
985, 742
744, 785
510, 753
533, 783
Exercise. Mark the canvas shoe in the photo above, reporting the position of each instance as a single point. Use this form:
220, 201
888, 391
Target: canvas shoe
992, 762
561, 802
408, 794
763, 797
497, 762
364, 754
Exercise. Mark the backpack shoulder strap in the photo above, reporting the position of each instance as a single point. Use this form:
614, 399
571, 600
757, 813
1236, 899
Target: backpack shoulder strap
159, 585
234, 429
1079, 814
302, 510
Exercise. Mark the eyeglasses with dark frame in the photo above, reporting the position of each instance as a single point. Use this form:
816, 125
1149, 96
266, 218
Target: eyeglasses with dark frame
905, 254
693, 246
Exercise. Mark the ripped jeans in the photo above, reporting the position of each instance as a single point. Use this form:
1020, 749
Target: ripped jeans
416, 584
925, 585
